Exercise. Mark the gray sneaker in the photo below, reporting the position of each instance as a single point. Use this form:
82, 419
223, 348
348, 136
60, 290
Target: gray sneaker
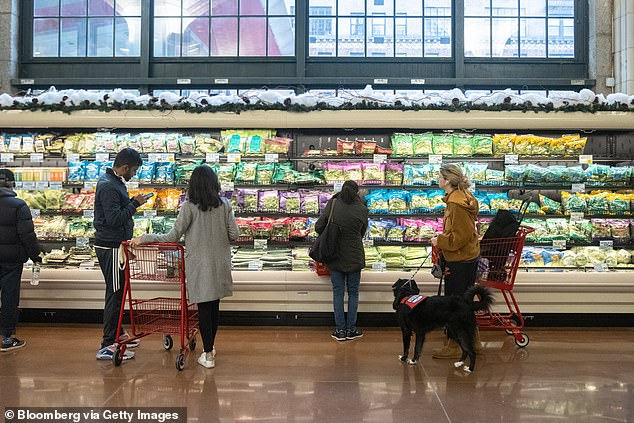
339, 335
12, 343
354, 333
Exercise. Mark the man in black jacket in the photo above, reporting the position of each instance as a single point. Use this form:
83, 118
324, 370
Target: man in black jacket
114, 224
18, 243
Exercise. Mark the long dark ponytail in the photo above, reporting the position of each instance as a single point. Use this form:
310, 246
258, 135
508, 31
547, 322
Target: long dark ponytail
349, 192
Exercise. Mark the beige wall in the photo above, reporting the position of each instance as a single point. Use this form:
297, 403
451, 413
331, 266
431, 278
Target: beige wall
624, 45
8, 43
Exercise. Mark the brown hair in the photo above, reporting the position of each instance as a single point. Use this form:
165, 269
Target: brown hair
453, 174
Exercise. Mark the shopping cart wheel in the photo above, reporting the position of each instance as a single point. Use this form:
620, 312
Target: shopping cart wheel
514, 320
117, 357
180, 361
192, 343
521, 340
168, 342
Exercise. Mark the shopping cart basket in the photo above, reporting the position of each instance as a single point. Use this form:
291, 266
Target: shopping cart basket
499, 260
157, 263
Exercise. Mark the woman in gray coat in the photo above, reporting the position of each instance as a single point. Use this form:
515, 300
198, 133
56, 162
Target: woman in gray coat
208, 224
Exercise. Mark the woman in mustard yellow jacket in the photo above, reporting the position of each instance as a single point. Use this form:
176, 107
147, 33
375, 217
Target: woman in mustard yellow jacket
459, 241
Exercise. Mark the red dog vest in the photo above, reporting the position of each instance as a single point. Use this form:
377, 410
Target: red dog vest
413, 300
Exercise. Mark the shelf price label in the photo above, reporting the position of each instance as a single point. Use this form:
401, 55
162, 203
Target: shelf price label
435, 159
271, 157
260, 244
585, 159
368, 243
606, 245
234, 158
212, 157
28, 185
581, 188
27, 144
132, 185
89, 214
90, 185
380, 158
601, 267
228, 186
18, 184
255, 265
35, 213
511, 159
167, 157
36, 157
55, 185
149, 213
102, 157
41, 185
576, 216
81, 242
15, 143
378, 266
6, 157
337, 186
72, 157
559, 244
153, 157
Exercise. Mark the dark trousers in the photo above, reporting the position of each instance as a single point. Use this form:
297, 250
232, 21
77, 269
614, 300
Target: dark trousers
114, 279
10, 277
459, 276
208, 314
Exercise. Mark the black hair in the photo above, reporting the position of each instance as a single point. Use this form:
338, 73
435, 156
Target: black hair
204, 188
128, 156
349, 192
6, 178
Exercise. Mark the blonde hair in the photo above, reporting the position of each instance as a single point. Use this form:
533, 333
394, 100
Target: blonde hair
453, 174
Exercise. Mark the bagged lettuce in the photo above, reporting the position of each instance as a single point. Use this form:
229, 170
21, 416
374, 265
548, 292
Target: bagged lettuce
402, 144
422, 144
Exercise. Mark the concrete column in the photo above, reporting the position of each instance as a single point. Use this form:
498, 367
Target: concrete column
9, 24
600, 58
624, 46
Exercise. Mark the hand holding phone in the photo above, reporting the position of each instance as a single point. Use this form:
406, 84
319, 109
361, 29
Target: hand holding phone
148, 196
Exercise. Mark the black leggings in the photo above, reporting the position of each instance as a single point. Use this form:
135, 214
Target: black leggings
460, 276
208, 321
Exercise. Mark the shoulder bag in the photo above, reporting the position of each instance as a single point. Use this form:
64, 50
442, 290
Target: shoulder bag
324, 249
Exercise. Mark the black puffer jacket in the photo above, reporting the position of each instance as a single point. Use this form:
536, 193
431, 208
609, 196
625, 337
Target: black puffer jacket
353, 221
113, 211
18, 242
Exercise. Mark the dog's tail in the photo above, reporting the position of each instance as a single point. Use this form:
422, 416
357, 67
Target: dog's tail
486, 298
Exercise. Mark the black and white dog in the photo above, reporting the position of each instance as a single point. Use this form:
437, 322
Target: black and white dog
419, 314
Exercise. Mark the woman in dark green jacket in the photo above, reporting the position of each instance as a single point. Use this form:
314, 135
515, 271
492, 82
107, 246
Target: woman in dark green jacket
351, 215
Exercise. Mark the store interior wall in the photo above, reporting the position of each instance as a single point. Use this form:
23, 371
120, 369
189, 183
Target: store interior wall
624, 45
600, 45
9, 24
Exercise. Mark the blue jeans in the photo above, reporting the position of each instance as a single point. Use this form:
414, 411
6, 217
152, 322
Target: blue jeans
341, 281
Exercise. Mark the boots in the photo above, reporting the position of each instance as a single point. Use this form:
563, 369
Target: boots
450, 350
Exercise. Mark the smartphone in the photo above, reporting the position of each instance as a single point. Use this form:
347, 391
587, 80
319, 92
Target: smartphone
148, 196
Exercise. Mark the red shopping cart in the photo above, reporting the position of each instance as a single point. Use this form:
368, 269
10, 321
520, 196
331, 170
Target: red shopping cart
157, 263
499, 261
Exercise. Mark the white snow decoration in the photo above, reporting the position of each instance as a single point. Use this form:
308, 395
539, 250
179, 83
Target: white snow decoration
272, 97
535, 99
50, 97
170, 98
601, 99
587, 96
6, 100
305, 99
448, 96
618, 98
143, 99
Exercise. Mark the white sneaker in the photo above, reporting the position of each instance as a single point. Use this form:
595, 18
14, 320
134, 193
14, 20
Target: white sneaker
203, 361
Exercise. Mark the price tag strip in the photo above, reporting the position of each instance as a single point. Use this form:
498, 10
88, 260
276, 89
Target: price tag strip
260, 244
511, 159
379, 266
606, 245
255, 265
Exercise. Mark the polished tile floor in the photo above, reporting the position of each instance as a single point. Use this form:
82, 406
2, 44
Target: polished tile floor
302, 375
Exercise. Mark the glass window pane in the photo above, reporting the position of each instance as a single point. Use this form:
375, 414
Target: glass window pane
351, 7
128, 8
167, 37
438, 37
409, 8
321, 36
437, 8
533, 37
532, 7
504, 8
322, 7
224, 7
380, 7
46, 8
195, 37
224, 37
253, 7
284, 8
409, 37
477, 37
351, 36
505, 37
100, 35
564, 8
195, 7
477, 8
73, 37
561, 38
45, 33
380, 37
252, 37
127, 40
73, 8
167, 7
281, 37
100, 8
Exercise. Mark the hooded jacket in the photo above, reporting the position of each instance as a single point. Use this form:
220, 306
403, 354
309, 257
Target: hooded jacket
18, 241
459, 238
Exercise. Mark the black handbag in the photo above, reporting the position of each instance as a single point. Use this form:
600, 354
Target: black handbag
324, 249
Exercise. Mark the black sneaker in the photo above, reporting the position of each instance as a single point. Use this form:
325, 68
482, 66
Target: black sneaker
354, 333
11, 344
339, 335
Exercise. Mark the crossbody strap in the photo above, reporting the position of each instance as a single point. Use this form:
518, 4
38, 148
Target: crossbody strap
332, 210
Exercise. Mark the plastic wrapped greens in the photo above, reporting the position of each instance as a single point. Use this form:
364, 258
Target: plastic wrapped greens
397, 201
482, 145
246, 172
377, 230
264, 175
476, 171
352, 172
334, 172
619, 204
373, 173
269, 201
226, 172
580, 230
462, 145
574, 202
248, 199
443, 144
422, 144
290, 202
309, 202
418, 202
515, 173
549, 206
402, 144
164, 173
597, 203
393, 173
377, 201
503, 144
